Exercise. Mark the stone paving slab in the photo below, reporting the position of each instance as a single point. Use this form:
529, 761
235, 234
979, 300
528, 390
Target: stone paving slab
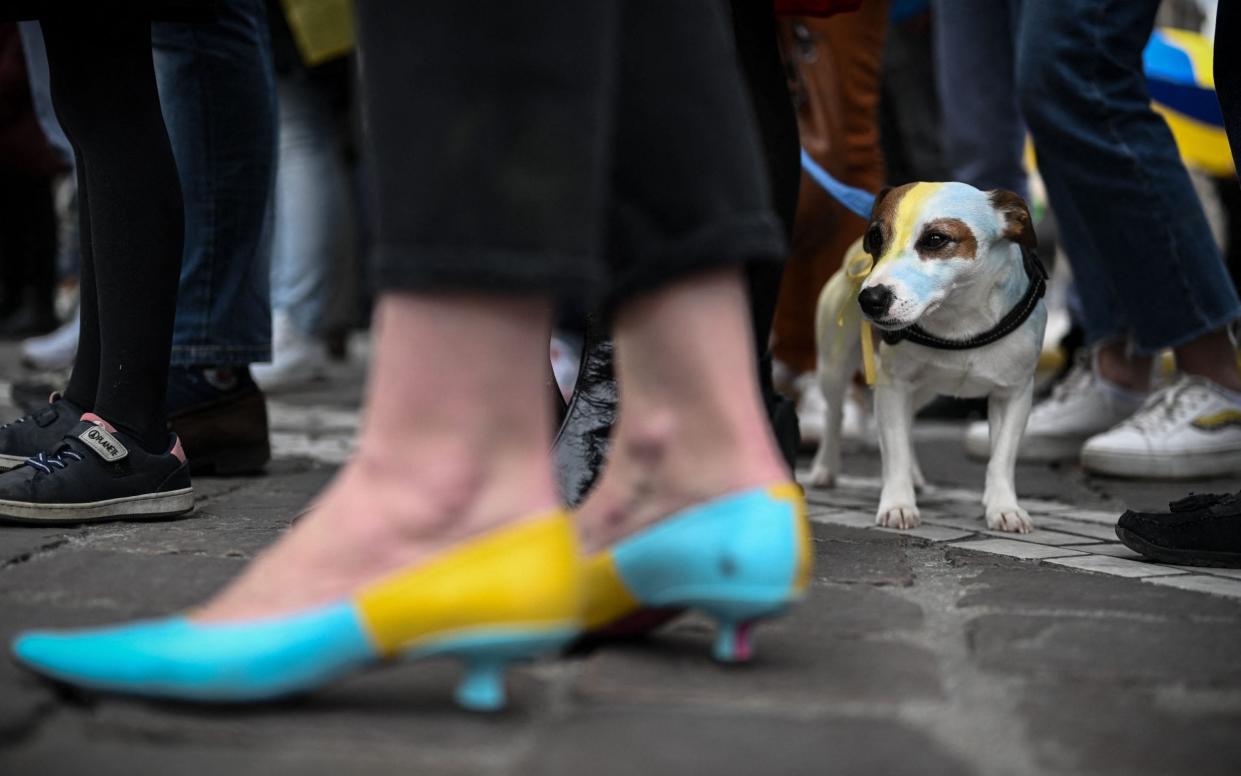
1202, 583
1013, 548
1119, 567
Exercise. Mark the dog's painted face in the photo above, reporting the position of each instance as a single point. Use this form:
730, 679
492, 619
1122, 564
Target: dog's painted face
929, 238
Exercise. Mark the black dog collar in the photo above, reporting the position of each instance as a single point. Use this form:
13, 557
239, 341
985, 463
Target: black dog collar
1011, 321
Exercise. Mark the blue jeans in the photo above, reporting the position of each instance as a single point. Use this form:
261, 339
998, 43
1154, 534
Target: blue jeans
1146, 266
983, 133
217, 89
314, 222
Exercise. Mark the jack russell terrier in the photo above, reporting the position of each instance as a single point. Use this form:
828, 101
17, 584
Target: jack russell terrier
956, 291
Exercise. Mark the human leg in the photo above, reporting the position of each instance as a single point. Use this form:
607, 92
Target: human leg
974, 67
104, 88
313, 229
218, 94
1083, 93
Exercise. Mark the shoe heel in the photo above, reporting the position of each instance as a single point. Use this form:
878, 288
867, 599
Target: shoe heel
735, 625
488, 655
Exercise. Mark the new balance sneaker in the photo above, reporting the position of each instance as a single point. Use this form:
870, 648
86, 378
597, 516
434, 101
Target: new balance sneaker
1080, 406
97, 473
1189, 429
37, 432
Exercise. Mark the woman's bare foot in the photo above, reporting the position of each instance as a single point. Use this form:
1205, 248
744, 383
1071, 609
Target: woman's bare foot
443, 455
692, 425
374, 519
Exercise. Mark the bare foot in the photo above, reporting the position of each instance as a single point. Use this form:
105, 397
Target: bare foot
374, 519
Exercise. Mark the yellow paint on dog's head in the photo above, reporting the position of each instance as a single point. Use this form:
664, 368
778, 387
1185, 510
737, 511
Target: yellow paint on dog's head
905, 218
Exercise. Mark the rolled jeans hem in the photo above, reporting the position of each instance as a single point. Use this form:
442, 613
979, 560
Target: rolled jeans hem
219, 355
1212, 325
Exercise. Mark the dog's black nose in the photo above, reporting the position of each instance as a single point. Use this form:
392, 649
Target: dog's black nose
875, 300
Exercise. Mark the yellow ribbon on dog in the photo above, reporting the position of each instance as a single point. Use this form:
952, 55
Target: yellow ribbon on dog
857, 270
839, 312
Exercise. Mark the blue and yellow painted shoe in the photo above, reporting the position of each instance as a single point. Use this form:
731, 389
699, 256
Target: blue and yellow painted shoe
739, 559
509, 595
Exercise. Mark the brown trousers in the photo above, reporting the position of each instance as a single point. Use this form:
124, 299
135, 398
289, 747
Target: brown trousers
835, 67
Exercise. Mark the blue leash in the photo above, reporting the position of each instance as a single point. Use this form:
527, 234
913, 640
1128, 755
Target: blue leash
856, 200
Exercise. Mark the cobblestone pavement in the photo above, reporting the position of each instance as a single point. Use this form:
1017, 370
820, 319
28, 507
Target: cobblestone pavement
946, 650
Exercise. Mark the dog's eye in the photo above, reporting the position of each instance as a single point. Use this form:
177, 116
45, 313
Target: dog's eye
933, 241
872, 242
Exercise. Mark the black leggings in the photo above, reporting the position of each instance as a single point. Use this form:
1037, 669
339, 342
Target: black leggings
132, 221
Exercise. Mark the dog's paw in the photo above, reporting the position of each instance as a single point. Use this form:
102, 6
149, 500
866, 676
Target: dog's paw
1009, 517
898, 516
821, 477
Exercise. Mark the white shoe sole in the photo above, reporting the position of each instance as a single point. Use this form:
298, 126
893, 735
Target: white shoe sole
150, 505
1181, 466
11, 462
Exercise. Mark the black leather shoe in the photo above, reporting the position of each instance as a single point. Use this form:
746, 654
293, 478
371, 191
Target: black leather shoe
1199, 530
222, 423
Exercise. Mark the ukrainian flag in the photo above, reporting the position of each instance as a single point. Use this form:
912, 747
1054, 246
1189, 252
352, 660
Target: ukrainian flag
1182, 87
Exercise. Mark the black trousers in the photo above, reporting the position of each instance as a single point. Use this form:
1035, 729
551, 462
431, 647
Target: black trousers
558, 147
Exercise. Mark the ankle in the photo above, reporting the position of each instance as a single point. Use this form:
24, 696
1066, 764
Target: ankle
1213, 357
1123, 370
658, 466
440, 492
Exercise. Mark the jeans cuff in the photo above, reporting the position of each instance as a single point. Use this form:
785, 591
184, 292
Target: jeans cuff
219, 355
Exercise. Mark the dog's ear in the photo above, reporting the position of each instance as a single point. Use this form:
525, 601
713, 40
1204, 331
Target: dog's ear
1018, 226
878, 199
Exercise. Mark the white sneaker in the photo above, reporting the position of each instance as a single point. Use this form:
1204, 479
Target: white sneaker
857, 421
1081, 405
55, 350
297, 358
811, 409
1190, 429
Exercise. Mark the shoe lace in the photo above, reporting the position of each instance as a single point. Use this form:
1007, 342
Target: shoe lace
49, 464
1077, 380
1166, 408
1074, 385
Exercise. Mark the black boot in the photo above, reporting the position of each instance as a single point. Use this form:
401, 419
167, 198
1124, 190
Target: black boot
782, 413
581, 445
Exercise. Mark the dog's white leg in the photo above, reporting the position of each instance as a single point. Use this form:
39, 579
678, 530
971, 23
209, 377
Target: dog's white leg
837, 362
921, 399
894, 411
1007, 416
826, 466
